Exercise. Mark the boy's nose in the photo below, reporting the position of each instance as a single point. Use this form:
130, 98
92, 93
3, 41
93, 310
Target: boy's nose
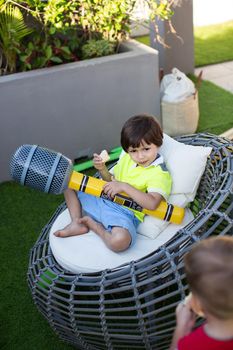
140, 155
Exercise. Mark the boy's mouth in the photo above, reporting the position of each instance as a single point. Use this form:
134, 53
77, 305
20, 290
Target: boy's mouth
142, 163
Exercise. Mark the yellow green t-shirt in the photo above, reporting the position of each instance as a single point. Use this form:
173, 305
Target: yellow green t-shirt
154, 178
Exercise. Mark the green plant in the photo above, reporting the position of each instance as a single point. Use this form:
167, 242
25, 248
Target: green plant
97, 48
66, 30
213, 43
12, 32
111, 19
41, 53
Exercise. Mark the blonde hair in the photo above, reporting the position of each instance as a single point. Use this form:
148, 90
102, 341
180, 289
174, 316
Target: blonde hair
209, 271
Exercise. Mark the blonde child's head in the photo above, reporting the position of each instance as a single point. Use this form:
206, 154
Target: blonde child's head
209, 271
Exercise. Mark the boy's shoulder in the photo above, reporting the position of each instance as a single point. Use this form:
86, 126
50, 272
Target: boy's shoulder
191, 340
198, 339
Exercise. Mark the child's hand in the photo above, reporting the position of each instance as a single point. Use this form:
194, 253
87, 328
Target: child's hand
185, 317
113, 187
98, 162
185, 321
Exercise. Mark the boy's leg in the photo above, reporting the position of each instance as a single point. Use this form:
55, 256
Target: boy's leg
75, 210
117, 240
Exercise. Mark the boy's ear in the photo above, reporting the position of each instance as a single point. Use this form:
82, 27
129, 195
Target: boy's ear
196, 306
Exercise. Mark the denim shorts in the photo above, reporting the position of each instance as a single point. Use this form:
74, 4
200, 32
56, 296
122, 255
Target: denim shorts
109, 214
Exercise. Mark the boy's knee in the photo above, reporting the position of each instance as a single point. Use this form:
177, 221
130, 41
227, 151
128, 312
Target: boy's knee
120, 241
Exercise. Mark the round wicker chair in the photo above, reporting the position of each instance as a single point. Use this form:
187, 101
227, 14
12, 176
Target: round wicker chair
132, 306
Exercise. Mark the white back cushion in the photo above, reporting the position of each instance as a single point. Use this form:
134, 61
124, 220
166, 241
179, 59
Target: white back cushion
186, 164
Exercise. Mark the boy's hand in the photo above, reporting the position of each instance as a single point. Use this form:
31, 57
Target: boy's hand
185, 321
98, 162
113, 187
185, 317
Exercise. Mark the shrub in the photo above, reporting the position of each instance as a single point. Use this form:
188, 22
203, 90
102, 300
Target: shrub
12, 31
97, 48
49, 32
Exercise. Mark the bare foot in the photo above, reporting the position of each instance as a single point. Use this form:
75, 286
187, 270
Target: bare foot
91, 224
73, 229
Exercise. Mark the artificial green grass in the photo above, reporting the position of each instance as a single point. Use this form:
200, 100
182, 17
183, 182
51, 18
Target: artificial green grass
213, 43
144, 39
216, 108
23, 212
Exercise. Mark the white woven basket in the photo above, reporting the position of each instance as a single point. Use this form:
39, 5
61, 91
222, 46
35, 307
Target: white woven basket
180, 118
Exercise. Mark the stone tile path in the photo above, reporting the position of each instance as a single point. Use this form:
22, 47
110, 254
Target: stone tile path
220, 74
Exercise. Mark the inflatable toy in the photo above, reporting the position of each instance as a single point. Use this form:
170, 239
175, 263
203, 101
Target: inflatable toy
51, 172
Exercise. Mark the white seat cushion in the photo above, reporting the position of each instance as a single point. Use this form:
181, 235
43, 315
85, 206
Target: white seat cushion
88, 253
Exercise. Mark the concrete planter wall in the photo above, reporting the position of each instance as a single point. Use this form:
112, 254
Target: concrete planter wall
77, 108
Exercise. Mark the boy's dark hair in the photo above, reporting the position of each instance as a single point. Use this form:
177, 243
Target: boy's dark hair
209, 271
141, 127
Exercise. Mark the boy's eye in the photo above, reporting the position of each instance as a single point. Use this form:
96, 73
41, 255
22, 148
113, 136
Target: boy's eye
147, 148
132, 151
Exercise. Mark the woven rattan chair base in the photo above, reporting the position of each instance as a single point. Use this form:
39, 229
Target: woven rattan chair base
132, 307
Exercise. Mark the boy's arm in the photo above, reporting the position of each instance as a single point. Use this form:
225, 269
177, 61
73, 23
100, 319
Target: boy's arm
105, 174
99, 164
177, 335
148, 201
185, 321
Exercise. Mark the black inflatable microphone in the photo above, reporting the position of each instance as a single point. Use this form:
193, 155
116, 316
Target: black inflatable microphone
51, 172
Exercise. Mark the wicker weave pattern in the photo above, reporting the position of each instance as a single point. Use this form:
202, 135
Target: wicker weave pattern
132, 307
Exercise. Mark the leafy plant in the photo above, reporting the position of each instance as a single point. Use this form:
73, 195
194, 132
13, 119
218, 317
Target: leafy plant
41, 53
12, 31
109, 18
97, 48
36, 34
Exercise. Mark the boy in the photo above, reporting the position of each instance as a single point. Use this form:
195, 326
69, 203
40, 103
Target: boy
140, 173
209, 271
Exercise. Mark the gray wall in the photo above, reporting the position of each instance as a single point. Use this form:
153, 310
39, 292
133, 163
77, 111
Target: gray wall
180, 53
77, 108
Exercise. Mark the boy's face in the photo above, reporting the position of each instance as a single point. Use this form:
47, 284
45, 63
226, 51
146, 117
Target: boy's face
143, 155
